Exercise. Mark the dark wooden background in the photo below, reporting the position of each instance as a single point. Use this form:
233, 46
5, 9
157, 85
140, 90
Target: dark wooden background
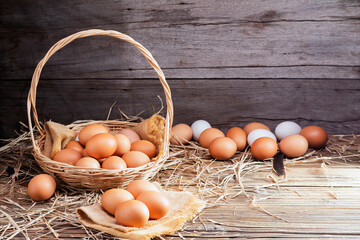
228, 62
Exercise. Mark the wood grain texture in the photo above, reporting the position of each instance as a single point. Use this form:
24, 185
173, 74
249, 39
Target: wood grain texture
211, 45
225, 103
189, 39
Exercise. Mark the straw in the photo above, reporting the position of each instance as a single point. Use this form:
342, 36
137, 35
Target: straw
189, 167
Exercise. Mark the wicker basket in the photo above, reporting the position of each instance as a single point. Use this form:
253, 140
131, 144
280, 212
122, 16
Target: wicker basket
90, 179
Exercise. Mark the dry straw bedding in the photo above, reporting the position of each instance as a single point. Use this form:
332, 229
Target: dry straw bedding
189, 167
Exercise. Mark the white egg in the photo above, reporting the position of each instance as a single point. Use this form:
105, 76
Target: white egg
287, 128
198, 127
259, 133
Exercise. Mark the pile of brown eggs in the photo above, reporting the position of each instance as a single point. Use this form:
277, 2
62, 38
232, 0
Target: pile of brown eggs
97, 148
294, 141
134, 206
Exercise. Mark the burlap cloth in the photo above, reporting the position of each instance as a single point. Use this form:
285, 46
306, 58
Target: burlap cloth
153, 130
58, 135
56, 138
184, 206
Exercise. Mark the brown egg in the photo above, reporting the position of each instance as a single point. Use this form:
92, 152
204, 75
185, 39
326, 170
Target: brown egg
135, 159
316, 136
131, 134
132, 213
123, 144
75, 146
87, 162
41, 187
138, 186
89, 131
69, 156
181, 133
156, 202
144, 146
264, 148
293, 146
113, 198
114, 162
255, 125
222, 148
239, 137
208, 135
101, 146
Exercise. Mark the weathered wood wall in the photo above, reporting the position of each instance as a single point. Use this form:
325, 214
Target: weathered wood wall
228, 62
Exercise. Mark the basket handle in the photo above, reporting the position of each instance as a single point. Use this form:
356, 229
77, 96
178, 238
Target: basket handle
31, 100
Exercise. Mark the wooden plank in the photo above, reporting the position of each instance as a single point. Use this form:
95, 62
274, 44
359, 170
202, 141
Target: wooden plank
276, 39
132, 11
331, 104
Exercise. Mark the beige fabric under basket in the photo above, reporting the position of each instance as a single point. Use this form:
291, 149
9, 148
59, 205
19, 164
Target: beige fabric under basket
102, 178
184, 207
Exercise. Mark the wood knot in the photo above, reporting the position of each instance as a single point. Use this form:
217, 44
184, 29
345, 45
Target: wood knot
269, 15
265, 16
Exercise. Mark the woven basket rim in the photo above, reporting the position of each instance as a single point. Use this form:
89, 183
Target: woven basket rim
72, 167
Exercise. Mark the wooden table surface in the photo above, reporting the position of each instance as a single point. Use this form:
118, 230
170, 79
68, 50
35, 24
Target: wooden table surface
316, 200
